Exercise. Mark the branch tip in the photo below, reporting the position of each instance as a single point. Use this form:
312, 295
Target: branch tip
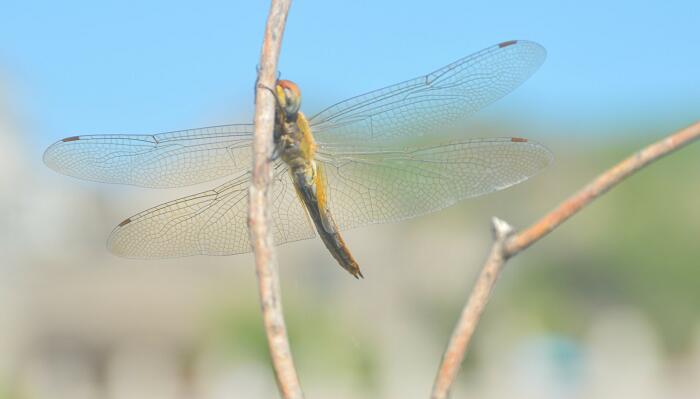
501, 229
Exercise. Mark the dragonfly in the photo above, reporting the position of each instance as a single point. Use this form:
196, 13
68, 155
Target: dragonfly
354, 163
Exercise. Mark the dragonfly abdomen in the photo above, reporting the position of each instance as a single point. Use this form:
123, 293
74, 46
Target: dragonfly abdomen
312, 194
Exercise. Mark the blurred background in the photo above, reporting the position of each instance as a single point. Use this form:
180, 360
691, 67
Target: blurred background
606, 307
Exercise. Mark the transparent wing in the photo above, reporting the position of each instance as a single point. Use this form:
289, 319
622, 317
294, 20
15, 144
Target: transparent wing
419, 106
377, 186
163, 160
210, 223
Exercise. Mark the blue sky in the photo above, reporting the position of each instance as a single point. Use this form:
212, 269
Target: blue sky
78, 67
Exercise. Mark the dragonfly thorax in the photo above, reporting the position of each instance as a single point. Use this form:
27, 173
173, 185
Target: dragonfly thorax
293, 138
294, 141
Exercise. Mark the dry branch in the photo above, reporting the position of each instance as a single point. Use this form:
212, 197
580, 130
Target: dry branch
259, 215
507, 245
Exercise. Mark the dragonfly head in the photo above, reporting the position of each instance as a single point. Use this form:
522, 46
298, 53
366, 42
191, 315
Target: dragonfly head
288, 97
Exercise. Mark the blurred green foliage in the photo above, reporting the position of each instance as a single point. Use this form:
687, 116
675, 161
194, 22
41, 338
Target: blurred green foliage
319, 341
636, 246
7, 393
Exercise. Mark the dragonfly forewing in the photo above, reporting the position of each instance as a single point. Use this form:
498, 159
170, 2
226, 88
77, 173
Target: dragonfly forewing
424, 105
163, 160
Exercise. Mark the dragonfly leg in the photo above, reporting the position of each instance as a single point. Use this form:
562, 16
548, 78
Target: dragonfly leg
271, 90
257, 84
276, 152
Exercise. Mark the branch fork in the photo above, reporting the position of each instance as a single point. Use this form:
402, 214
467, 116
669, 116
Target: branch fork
508, 244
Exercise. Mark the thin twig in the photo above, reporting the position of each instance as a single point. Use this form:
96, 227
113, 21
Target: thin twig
259, 215
600, 185
508, 245
463, 331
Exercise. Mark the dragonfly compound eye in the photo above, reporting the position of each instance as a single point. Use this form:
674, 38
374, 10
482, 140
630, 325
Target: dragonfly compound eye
292, 97
293, 103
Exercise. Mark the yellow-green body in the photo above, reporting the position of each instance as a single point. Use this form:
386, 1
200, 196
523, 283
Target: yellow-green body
296, 146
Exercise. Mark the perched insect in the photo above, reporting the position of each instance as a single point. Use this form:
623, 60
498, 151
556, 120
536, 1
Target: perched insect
350, 165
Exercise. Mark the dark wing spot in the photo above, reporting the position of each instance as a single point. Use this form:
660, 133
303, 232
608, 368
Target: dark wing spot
72, 138
518, 140
124, 223
508, 43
